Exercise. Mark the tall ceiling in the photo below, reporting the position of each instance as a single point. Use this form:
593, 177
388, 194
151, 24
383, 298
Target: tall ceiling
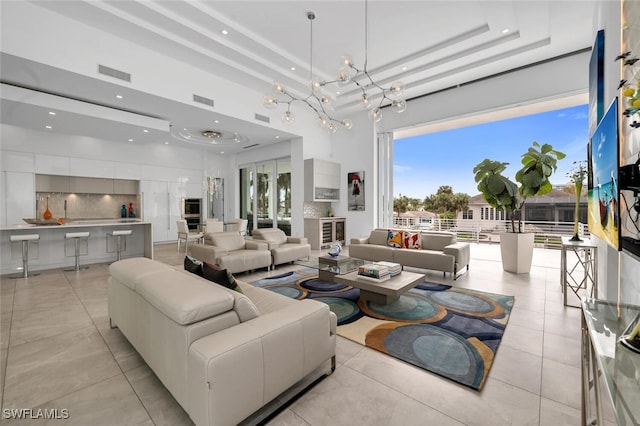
428, 45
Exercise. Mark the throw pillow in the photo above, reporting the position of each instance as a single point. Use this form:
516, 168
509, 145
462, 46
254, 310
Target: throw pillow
193, 265
220, 276
394, 239
412, 240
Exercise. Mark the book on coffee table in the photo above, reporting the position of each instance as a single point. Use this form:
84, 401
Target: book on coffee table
375, 280
394, 268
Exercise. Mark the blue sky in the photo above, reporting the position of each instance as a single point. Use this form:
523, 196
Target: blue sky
424, 163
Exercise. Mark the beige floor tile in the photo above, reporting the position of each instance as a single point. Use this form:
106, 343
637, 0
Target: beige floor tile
52, 367
553, 413
124, 354
526, 318
32, 325
111, 402
94, 299
349, 397
161, 406
346, 349
5, 328
288, 418
561, 383
497, 403
567, 325
43, 298
523, 338
518, 368
3, 369
566, 350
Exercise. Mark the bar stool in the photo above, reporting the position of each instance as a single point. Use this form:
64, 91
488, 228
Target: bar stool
25, 240
121, 237
78, 237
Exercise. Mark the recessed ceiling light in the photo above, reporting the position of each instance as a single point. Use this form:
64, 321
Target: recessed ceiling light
166, 143
337, 92
119, 96
404, 68
216, 121
48, 127
145, 130
225, 32
292, 68
277, 136
130, 140
52, 113
506, 30
221, 152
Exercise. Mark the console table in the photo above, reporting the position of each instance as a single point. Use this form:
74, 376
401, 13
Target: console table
580, 269
603, 357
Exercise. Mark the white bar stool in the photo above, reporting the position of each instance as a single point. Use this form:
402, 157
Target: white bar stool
121, 240
78, 237
25, 240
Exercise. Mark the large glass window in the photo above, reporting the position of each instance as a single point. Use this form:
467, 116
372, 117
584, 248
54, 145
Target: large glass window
265, 194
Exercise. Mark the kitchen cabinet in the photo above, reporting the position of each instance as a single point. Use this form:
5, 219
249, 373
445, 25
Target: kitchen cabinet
161, 205
52, 183
125, 187
321, 180
17, 200
87, 185
323, 231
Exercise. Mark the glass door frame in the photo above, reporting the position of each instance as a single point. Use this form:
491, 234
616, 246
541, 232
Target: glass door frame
272, 196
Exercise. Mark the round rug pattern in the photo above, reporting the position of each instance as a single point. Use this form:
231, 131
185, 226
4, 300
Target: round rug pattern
433, 348
409, 307
346, 310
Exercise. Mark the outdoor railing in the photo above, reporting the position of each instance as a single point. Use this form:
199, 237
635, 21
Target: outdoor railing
547, 234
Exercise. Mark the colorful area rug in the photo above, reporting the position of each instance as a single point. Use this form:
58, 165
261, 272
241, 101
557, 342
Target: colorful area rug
453, 332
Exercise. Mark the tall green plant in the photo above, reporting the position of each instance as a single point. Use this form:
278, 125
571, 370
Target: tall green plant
501, 193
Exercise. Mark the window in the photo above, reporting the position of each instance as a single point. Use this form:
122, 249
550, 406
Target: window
467, 214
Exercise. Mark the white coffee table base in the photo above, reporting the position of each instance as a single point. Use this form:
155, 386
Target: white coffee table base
383, 292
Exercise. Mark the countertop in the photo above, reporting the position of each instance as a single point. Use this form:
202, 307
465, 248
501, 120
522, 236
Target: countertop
75, 223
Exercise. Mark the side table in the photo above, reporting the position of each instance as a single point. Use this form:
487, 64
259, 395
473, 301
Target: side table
605, 361
581, 269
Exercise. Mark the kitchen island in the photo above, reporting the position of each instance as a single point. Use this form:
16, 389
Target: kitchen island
51, 250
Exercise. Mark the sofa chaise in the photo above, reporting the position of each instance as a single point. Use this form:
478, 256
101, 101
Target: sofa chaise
433, 250
283, 249
221, 353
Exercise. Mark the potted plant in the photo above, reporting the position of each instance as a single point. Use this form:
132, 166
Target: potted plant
503, 194
577, 174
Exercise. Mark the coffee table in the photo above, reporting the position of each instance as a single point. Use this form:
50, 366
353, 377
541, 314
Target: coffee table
328, 267
383, 292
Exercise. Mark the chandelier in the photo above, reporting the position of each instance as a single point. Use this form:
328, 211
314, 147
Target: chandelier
372, 94
316, 100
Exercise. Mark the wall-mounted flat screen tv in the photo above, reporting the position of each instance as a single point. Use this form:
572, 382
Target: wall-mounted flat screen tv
603, 197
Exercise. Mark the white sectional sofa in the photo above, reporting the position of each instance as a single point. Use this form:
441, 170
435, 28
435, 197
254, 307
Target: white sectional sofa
439, 251
222, 354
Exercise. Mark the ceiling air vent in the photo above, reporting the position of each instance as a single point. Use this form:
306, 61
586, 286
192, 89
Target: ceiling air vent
250, 146
262, 118
202, 100
112, 72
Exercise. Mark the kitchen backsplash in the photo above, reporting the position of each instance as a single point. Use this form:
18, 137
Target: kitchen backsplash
86, 206
316, 209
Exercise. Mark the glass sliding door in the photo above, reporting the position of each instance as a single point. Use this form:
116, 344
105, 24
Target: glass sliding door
283, 194
247, 199
265, 195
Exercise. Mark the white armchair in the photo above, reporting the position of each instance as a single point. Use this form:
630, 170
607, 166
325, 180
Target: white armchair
186, 235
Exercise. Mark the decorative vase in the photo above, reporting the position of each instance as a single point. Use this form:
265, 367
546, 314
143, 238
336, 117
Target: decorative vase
576, 214
335, 249
47, 214
123, 211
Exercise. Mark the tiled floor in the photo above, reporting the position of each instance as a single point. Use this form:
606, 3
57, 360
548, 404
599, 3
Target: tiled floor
58, 352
